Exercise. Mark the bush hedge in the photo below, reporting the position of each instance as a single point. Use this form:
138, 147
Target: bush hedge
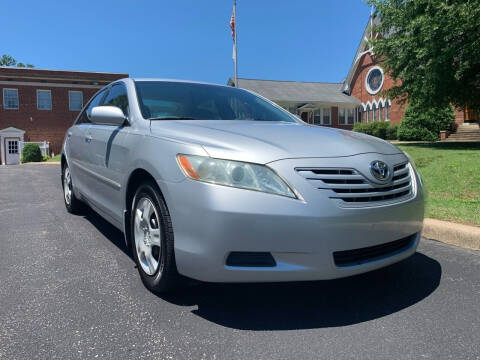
31, 153
381, 129
424, 123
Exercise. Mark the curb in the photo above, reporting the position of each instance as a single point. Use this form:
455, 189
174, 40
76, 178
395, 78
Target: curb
452, 233
42, 163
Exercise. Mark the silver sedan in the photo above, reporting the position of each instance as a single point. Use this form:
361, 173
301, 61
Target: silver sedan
219, 184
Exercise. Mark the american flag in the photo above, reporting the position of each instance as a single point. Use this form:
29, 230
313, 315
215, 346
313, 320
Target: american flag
233, 27
232, 24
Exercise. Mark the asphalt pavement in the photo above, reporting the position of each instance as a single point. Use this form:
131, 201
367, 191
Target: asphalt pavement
69, 289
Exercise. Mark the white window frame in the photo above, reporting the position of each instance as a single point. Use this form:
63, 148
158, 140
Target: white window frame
348, 110
387, 110
4, 103
70, 100
319, 112
38, 103
344, 122
322, 118
367, 85
345, 116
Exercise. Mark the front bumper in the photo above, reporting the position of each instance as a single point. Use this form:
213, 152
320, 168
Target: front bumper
211, 221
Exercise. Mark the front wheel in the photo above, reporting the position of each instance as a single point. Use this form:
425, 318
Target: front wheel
152, 239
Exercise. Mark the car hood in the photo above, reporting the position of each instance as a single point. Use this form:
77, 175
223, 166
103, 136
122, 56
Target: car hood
264, 141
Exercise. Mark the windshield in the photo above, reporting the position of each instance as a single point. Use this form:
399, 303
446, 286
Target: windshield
162, 100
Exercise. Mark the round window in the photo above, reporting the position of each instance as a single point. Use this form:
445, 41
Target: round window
374, 80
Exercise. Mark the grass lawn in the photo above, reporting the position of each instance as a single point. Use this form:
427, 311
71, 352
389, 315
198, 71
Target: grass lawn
55, 158
451, 173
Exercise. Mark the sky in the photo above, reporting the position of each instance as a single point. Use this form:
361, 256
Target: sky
302, 40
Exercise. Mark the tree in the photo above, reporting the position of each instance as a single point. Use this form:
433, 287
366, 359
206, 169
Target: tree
425, 122
7, 60
431, 47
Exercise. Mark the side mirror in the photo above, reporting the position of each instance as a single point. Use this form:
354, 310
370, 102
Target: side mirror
110, 115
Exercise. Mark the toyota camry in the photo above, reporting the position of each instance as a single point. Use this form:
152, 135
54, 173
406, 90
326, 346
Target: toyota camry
219, 184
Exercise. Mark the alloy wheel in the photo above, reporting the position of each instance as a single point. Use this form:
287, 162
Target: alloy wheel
148, 238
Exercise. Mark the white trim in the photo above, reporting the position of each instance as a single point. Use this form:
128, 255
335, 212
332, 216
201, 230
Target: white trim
18, 99
367, 86
39, 84
69, 100
329, 116
11, 130
321, 110
51, 106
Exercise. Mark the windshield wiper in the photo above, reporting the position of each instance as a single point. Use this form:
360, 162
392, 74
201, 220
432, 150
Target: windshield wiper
172, 118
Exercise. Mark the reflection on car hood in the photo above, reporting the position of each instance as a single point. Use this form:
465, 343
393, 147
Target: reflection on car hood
264, 141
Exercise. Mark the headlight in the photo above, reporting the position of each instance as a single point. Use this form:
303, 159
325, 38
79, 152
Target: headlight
235, 174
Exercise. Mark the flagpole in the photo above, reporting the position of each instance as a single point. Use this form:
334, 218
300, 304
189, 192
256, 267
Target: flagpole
235, 18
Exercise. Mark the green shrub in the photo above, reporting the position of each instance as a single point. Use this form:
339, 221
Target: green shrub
380, 129
425, 123
45, 157
392, 132
31, 153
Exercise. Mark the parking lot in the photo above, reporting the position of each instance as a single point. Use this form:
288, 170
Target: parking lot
69, 289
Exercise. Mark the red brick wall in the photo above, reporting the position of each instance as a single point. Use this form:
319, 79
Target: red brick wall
459, 116
42, 125
47, 125
360, 92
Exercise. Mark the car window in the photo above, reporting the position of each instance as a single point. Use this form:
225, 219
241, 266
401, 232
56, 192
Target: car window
118, 97
84, 117
178, 100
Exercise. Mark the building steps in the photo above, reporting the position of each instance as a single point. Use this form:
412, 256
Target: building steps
466, 132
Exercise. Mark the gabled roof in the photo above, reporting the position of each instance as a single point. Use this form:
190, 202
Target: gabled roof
347, 83
297, 91
11, 130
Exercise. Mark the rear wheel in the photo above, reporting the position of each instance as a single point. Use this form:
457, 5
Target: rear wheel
72, 204
152, 239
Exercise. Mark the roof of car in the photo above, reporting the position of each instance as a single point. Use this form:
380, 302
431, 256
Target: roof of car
177, 80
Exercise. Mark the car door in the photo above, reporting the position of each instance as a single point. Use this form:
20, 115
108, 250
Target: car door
77, 144
106, 157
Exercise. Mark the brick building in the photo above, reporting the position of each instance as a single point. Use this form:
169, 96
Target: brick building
40, 105
356, 99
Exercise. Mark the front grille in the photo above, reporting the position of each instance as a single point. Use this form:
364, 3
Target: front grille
362, 255
350, 186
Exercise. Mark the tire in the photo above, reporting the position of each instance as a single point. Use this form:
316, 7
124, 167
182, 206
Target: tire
72, 203
151, 235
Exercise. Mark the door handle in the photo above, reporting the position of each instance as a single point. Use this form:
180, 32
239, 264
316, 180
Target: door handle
88, 139
69, 134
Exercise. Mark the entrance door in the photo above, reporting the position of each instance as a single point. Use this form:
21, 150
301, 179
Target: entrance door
12, 156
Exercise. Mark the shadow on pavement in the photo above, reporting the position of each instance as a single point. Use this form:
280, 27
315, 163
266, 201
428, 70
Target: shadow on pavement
307, 305
303, 305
